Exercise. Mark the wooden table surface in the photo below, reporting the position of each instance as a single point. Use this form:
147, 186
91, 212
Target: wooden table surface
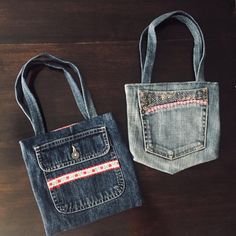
101, 37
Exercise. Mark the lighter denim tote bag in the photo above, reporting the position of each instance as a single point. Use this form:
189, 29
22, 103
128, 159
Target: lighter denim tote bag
79, 173
173, 126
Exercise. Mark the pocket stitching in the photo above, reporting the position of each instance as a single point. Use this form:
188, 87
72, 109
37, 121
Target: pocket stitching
115, 193
188, 151
146, 129
75, 137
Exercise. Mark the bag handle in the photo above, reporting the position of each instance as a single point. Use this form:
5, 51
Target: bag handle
148, 50
27, 101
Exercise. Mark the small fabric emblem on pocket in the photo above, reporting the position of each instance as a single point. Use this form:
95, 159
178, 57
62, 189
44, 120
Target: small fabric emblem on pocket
94, 170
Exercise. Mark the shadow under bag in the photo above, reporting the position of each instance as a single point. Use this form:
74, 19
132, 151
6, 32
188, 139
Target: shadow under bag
79, 173
173, 126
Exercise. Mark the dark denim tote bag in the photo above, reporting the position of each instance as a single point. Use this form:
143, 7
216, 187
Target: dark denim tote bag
173, 126
79, 173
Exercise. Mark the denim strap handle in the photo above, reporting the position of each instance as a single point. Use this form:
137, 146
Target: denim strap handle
148, 50
27, 101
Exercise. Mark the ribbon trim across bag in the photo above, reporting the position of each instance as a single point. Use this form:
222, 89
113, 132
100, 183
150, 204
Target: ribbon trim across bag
173, 126
79, 173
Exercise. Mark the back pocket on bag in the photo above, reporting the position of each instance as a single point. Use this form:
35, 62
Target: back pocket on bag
174, 123
81, 170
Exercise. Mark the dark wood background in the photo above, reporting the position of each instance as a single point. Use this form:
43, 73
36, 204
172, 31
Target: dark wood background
101, 37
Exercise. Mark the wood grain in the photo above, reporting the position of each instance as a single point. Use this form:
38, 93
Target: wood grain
82, 21
102, 39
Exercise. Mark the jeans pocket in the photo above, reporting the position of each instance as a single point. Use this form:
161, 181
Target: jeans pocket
174, 123
81, 171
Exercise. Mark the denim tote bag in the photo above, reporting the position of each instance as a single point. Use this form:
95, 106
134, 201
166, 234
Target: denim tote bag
79, 173
173, 126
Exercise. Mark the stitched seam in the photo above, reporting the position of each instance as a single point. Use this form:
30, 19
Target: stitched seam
70, 138
149, 146
82, 159
139, 85
143, 125
113, 195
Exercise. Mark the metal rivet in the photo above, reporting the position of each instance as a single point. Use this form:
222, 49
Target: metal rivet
75, 153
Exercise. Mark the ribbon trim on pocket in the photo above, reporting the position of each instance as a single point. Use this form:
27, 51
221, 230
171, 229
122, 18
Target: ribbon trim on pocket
87, 172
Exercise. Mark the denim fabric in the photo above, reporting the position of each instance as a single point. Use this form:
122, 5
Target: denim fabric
173, 126
79, 173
